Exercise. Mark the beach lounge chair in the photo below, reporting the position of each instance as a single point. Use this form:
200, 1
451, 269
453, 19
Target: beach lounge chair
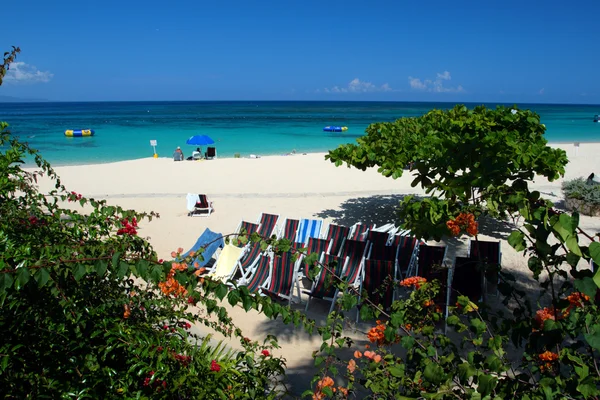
248, 227
336, 234
490, 255
355, 251
377, 251
249, 258
323, 286
407, 254
318, 246
198, 205
384, 228
309, 228
377, 283
430, 258
210, 241
268, 223
378, 237
359, 231
289, 230
211, 152
260, 276
465, 279
283, 277
226, 265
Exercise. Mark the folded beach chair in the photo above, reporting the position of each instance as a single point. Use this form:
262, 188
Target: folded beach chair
289, 230
283, 277
210, 241
408, 247
211, 152
377, 283
248, 227
323, 287
259, 279
336, 234
359, 231
490, 254
318, 246
384, 228
226, 265
309, 228
267, 222
198, 205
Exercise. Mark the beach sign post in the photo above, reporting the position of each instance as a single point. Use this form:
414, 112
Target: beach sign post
153, 143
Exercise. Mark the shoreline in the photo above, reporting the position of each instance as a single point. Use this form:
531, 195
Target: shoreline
96, 163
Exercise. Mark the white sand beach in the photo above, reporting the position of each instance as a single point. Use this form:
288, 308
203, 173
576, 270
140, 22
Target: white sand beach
296, 186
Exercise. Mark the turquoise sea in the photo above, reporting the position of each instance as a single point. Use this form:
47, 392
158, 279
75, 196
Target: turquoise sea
124, 129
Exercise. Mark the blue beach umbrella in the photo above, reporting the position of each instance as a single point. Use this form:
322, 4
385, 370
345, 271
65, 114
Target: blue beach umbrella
200, 140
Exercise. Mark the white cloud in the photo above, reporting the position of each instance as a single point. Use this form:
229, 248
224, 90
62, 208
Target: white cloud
434, 85
22, 72
358, 86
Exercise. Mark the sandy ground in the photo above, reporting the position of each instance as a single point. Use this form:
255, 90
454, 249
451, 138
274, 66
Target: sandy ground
298, 186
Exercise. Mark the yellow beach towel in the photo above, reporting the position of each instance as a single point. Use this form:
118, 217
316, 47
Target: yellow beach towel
225, 265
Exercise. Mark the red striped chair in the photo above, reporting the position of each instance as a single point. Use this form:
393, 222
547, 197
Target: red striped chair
355, 251
283, 277
267, 223
202, 208
336, 234
323, 287
318, 246
359, 232
408, 248
289, 230
248, 227
259, 278
490, 255
378, 283
378, 237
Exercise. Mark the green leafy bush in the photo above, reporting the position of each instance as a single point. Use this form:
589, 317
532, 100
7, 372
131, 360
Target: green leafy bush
579, 189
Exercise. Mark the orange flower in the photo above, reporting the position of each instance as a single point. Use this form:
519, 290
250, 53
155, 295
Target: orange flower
196, 265
173, 254
351, 366
127, 312
427, 303
369, 354
192, 253
577, 298
357, 354
377, 358
200, 271
408, 327
548, 356
548, 313
463, 222
367, 346
415, 281
325, 382
343, 391
180, 250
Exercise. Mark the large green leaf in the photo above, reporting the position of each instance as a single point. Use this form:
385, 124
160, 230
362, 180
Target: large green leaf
486, 384
595, 252
42, 277
593, 338
517, 240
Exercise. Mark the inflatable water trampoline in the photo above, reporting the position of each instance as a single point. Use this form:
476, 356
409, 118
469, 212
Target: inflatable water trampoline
79, 132
335, 128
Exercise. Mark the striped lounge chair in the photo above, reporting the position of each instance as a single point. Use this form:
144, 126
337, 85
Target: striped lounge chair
408, 247
248, 227
318, 246
267, 223
323, 287
289, 230
378, 237
336, 234
378, 283
359, 231
490, 254
283, 277
260, 276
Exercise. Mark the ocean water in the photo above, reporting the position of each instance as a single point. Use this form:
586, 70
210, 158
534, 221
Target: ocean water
124, 129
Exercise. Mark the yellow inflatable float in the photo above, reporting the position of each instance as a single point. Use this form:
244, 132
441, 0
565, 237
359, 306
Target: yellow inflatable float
79, 132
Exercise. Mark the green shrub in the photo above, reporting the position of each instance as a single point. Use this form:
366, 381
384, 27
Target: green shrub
579, 189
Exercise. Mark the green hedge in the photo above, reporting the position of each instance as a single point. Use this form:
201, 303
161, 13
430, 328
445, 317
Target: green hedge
579, 189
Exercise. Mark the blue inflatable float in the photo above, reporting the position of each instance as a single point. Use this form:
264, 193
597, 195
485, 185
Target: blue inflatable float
335, 128
79, 132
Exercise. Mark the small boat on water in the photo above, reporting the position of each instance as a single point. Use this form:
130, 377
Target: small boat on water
335, 129
79, 132
597, 118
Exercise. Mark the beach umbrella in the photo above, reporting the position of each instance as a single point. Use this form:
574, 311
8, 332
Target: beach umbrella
200, 140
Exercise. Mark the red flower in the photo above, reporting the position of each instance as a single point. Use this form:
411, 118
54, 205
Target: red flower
214, 366
266, 353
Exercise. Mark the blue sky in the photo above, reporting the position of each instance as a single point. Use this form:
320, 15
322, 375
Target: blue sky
506, 51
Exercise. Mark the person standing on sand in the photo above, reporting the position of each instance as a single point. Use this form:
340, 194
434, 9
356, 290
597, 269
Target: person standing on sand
178, 154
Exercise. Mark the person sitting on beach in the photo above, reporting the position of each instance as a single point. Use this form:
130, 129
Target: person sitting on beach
178, 154
197, 154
